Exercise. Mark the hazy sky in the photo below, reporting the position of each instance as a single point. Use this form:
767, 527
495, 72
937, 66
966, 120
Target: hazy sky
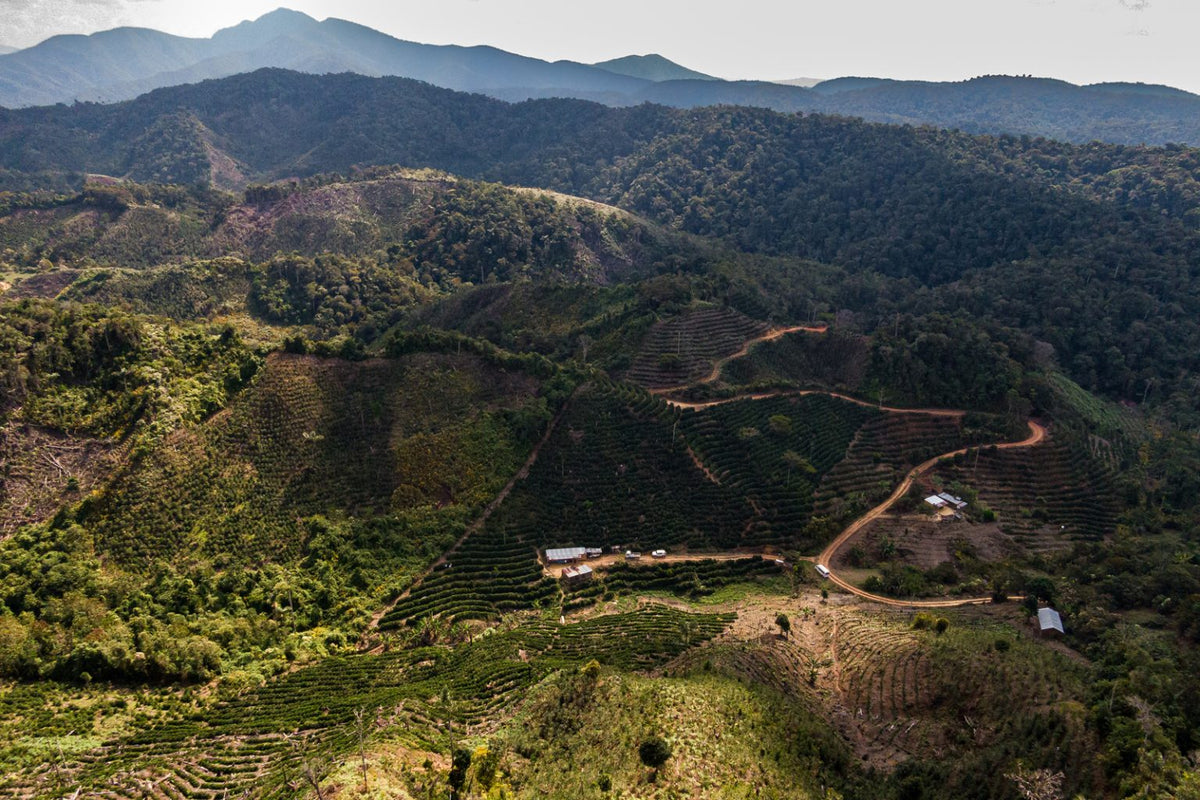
1083, 41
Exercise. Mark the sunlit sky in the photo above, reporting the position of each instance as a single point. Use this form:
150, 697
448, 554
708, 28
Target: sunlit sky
1083, 41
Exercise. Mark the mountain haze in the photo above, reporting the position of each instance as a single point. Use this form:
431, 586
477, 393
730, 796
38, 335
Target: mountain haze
126, 62
123, 63
652, 67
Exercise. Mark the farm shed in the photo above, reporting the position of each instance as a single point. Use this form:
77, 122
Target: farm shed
565, 555
1049, 622
951, 500
573, 576
935, 501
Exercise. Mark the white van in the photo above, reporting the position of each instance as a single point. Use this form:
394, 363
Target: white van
823, 570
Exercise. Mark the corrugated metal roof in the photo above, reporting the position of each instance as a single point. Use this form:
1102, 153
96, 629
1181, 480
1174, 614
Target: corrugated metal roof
565, 553
576, 572
935, 501
957, 502
1049, 619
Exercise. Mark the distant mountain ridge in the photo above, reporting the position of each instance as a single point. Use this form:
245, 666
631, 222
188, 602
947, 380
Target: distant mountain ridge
127, 62
652, 67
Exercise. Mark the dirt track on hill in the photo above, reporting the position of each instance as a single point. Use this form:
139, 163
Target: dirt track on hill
607, 560
933, 412
719, 364
477, 525
1036, 434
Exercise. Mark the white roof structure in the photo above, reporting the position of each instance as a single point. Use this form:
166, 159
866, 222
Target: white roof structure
935, 501
560, 554
957, 502
1049, 620
582, 571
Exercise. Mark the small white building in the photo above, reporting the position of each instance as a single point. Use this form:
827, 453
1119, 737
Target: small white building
573, 576
565, 555
955, 502
1049, 622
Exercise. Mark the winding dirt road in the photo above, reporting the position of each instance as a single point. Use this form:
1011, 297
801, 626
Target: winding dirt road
935, 412
1036, 434
719, 364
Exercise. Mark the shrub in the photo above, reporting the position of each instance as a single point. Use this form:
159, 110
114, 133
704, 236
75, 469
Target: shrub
654, 752
923, 621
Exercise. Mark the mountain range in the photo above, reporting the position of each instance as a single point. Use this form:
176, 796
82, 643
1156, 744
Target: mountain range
123, 63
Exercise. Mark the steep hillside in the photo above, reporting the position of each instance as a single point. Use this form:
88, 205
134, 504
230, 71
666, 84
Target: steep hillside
278, 467
318, 438
440, 223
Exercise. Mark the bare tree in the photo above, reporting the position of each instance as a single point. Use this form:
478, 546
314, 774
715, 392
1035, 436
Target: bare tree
362, 729
1037, 784
314, 765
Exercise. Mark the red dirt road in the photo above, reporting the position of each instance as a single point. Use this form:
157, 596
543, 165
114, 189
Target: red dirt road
720, 363
1036, 434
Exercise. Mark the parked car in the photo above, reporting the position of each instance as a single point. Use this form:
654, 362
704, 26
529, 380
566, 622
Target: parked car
659, 554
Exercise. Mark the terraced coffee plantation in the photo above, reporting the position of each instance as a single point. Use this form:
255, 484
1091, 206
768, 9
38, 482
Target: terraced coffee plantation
916, 693
316, 436
608, 475
284, 446
683, 349
885, 448
775, 452
1047, 497
426, 697
814, 455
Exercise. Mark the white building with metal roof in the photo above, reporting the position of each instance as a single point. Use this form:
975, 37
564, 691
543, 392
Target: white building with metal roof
565, 555
1049, 620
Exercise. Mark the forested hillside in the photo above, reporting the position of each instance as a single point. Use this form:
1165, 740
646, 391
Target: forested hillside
926, 220
302, 378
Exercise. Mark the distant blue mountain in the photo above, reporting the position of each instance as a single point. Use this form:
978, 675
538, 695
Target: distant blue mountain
652, 67
127, 62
